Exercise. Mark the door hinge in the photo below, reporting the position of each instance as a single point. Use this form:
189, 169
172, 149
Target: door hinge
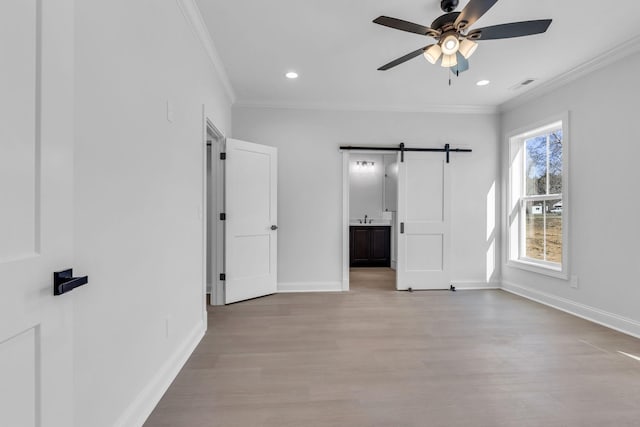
223, 217
223, 156
223, 277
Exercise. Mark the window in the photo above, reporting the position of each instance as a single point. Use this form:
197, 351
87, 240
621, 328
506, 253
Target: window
537, 206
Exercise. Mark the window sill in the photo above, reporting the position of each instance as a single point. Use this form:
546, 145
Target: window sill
534, 267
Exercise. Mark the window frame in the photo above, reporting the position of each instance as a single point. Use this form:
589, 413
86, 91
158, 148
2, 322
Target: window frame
516, 192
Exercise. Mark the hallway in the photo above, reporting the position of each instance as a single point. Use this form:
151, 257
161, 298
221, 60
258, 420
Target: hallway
378, 357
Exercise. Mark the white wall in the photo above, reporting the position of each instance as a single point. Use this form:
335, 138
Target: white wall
139, 183
366, 185
310, 182
603, 203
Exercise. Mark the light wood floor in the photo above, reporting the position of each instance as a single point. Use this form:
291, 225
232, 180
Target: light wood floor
380, 358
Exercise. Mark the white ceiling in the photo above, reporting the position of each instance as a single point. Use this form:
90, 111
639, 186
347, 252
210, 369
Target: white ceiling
336, 49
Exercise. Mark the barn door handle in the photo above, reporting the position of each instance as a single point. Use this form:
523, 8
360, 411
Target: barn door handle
274, 227
63, 281
402, 228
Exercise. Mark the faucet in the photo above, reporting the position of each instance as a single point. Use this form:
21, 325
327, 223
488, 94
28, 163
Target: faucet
365, 218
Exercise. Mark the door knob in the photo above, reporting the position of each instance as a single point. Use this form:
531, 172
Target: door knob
274, 227
63, 281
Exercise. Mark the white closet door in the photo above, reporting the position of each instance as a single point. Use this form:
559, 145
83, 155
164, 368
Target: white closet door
251, 237
36, 212
423, 222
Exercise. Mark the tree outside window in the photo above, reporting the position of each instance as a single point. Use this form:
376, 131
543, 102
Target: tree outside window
542, 202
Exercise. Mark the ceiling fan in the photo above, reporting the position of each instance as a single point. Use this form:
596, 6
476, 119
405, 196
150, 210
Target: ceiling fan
455, 43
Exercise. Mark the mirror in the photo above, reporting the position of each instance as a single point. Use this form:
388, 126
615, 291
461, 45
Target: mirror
390, 192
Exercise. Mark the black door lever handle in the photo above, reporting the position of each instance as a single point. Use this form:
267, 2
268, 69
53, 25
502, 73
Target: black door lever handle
63, 281
274, 227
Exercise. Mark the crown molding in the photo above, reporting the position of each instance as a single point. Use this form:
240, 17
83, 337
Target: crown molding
622, 51
443, 109
192, 14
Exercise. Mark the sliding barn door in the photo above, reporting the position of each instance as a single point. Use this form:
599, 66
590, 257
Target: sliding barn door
423, 217
251, 237
36, 212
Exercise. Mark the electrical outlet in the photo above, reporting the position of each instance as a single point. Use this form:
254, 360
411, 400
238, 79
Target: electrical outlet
574, 282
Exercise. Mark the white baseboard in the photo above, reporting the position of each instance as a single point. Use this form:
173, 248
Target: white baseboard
394, 265
472, 286
142, 406
592, 314
310, 287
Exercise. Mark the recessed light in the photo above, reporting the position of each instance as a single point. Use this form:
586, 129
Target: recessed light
292, 75
483, 83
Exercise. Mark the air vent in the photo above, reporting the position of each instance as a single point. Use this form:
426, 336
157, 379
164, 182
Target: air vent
522, 84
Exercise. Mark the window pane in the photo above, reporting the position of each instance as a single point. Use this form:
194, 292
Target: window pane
555, 162
536, 166
554, 231
535, 235
534, 230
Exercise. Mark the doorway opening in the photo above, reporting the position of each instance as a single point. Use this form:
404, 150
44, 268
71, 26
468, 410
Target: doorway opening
370, 204
421, 200
214, 194
240, 242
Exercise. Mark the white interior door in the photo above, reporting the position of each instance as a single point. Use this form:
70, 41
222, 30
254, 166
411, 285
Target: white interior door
251, 242
423, 219
36, 211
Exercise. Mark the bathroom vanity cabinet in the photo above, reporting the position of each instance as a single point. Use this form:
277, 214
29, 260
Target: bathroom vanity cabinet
369, 246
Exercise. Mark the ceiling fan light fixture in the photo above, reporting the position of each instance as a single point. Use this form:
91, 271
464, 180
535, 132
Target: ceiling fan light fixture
450, 44
433, 53
449, 61
467, 48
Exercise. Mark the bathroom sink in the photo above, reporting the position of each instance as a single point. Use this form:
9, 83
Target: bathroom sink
371, 222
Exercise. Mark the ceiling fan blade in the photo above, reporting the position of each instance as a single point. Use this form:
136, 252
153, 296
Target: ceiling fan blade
473, 11
403, 59
462, 66
399, 24
513, 29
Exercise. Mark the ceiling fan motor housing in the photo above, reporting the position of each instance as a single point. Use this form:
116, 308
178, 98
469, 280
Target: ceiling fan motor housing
449, 5
445, 22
